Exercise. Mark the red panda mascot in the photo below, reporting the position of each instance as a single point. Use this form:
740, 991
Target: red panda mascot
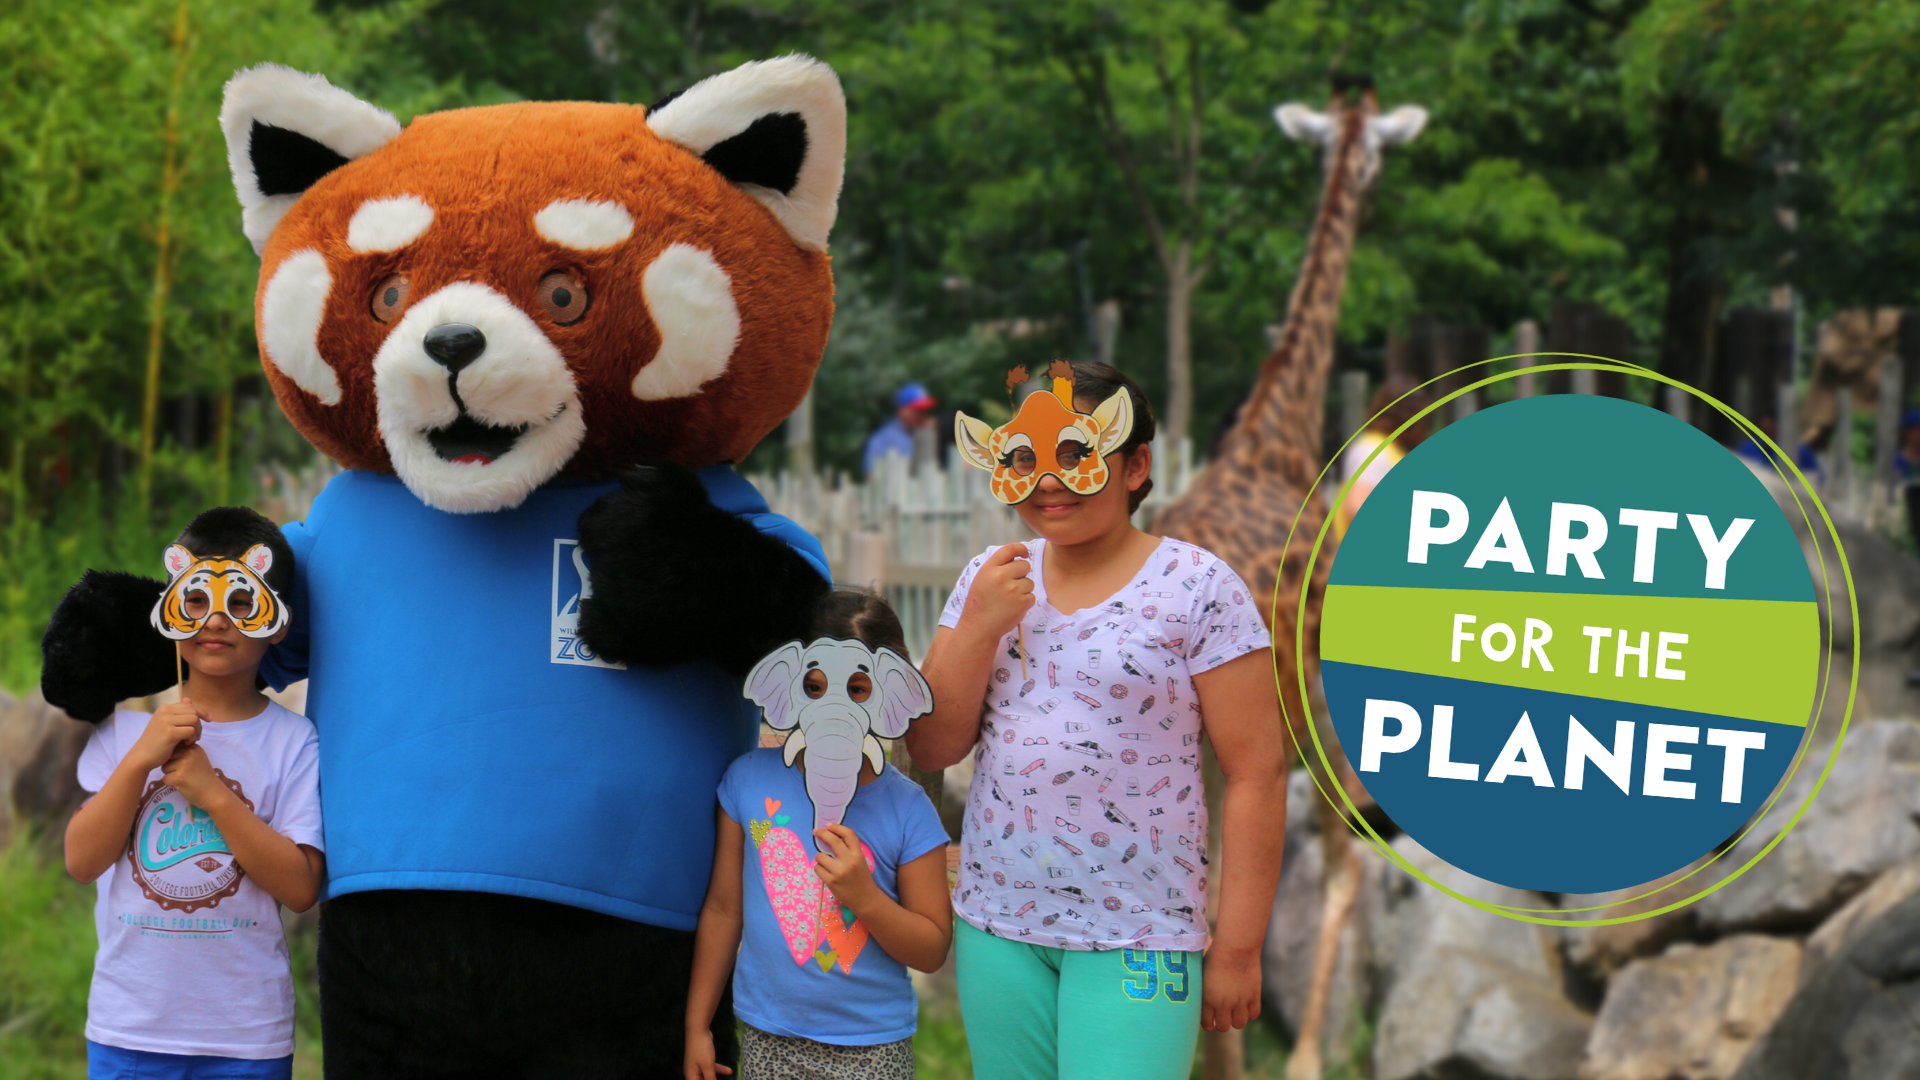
536, 336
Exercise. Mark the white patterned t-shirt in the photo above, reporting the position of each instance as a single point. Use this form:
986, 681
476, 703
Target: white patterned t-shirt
1086, 826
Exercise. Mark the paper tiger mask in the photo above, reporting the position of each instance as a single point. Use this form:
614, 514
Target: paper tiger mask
1048, 437
236, 588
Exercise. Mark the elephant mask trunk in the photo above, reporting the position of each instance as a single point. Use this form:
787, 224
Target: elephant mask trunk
834, 747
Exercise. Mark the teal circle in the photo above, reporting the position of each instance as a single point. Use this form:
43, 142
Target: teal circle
1730, 664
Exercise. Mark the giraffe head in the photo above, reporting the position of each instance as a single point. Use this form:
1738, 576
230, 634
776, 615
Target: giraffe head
1048, 437
1354, 114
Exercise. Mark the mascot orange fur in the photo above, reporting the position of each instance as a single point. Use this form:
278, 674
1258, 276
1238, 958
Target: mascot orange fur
536, 335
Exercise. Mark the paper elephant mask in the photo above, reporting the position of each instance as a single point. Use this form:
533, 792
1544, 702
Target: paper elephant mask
839, 694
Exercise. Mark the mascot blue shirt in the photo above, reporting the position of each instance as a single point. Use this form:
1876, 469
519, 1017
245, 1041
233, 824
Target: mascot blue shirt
469, 740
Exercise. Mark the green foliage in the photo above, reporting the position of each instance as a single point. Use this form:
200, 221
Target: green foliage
940, 1046
1825, 98
1637, 153
47, 944
46, 963
80, 210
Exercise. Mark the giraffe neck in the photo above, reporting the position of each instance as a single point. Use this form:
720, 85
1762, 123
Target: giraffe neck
1280, 429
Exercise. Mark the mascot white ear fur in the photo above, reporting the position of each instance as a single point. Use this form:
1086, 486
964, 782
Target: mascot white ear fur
778, 129
285, 129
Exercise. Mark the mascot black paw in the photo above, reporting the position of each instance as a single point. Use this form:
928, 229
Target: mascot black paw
671, 574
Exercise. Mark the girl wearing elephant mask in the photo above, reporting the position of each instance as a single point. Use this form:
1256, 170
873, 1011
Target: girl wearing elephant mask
840, 895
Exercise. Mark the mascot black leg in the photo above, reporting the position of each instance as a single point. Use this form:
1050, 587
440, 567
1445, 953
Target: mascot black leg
420, 984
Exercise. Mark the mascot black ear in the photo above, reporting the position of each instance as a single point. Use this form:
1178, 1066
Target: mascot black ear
778, 129
286, 129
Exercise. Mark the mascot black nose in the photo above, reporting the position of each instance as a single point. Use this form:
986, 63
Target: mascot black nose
455, 345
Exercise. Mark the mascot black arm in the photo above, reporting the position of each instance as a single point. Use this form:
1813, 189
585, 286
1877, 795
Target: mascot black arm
676, 579
101, 647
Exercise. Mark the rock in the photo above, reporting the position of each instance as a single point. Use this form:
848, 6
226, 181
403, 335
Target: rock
1887, 890
1457, 1012
1293, 931
1856, 1016
1468, 993
1861, 824
1602, 950
39, 749
1408, 917
1692, 1013
1887, 586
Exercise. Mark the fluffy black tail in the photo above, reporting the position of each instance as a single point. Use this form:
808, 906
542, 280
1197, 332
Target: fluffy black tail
101, 647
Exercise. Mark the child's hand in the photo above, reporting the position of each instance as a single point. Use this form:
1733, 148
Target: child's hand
1230, 991
842, 866
190, 773
1001, 592
172, 726
700, 1062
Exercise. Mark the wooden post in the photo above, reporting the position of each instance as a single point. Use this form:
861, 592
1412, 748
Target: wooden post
1526, 339
1353, 403
800, 437
1840, 445
1886, 435
1788, 425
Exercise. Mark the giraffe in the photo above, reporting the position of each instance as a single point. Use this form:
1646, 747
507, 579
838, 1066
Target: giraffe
1241, 505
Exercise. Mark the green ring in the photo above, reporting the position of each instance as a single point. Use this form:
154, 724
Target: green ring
1775, 458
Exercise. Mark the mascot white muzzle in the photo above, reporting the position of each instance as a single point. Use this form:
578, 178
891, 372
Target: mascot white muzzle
839, 694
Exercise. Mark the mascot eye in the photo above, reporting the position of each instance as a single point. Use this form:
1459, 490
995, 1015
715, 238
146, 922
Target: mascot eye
240, 604
859, 687
815, 684
196, 604
1070, 454
388, 298
563, 299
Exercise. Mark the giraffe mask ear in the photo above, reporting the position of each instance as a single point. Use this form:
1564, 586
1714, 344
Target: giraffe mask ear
1114, 417
973, 437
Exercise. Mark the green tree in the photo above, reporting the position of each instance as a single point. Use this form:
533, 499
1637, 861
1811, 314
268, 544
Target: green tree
126, 345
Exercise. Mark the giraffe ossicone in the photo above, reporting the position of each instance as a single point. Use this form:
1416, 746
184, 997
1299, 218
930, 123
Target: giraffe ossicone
1048, 436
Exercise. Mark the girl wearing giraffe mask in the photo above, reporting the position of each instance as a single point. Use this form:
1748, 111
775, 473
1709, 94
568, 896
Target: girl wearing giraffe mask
1083, 669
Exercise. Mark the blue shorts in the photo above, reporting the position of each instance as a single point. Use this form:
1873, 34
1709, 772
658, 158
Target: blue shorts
115, 1063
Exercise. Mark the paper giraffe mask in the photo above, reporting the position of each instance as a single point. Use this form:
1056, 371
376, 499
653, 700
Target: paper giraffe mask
236, 588
1048, 437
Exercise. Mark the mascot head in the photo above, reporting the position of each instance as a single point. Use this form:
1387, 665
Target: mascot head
489, 298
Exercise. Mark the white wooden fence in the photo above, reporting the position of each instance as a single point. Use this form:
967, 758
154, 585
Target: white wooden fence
910, 531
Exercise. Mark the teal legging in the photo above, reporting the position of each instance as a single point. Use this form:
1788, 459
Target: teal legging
1039, 1013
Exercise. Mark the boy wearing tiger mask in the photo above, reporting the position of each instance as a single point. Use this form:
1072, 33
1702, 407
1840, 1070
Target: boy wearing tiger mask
204, 819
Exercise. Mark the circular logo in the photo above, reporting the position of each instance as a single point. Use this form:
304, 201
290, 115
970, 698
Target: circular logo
180, 860
1570, 643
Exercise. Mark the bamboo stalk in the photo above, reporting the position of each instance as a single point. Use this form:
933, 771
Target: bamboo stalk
223, 455
162, 268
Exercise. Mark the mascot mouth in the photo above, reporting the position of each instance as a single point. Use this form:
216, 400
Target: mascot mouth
468, 441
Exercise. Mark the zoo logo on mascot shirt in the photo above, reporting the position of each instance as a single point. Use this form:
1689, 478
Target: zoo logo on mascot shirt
1570, 644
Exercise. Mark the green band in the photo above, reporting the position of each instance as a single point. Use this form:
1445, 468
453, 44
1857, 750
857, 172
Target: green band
1736, 659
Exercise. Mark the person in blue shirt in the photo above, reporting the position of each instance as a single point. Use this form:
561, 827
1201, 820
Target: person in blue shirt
913, 410
831, 916
1803, 455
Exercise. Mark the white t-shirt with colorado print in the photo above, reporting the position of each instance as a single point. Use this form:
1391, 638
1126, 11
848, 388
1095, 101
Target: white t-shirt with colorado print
192, 959
1086, 826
